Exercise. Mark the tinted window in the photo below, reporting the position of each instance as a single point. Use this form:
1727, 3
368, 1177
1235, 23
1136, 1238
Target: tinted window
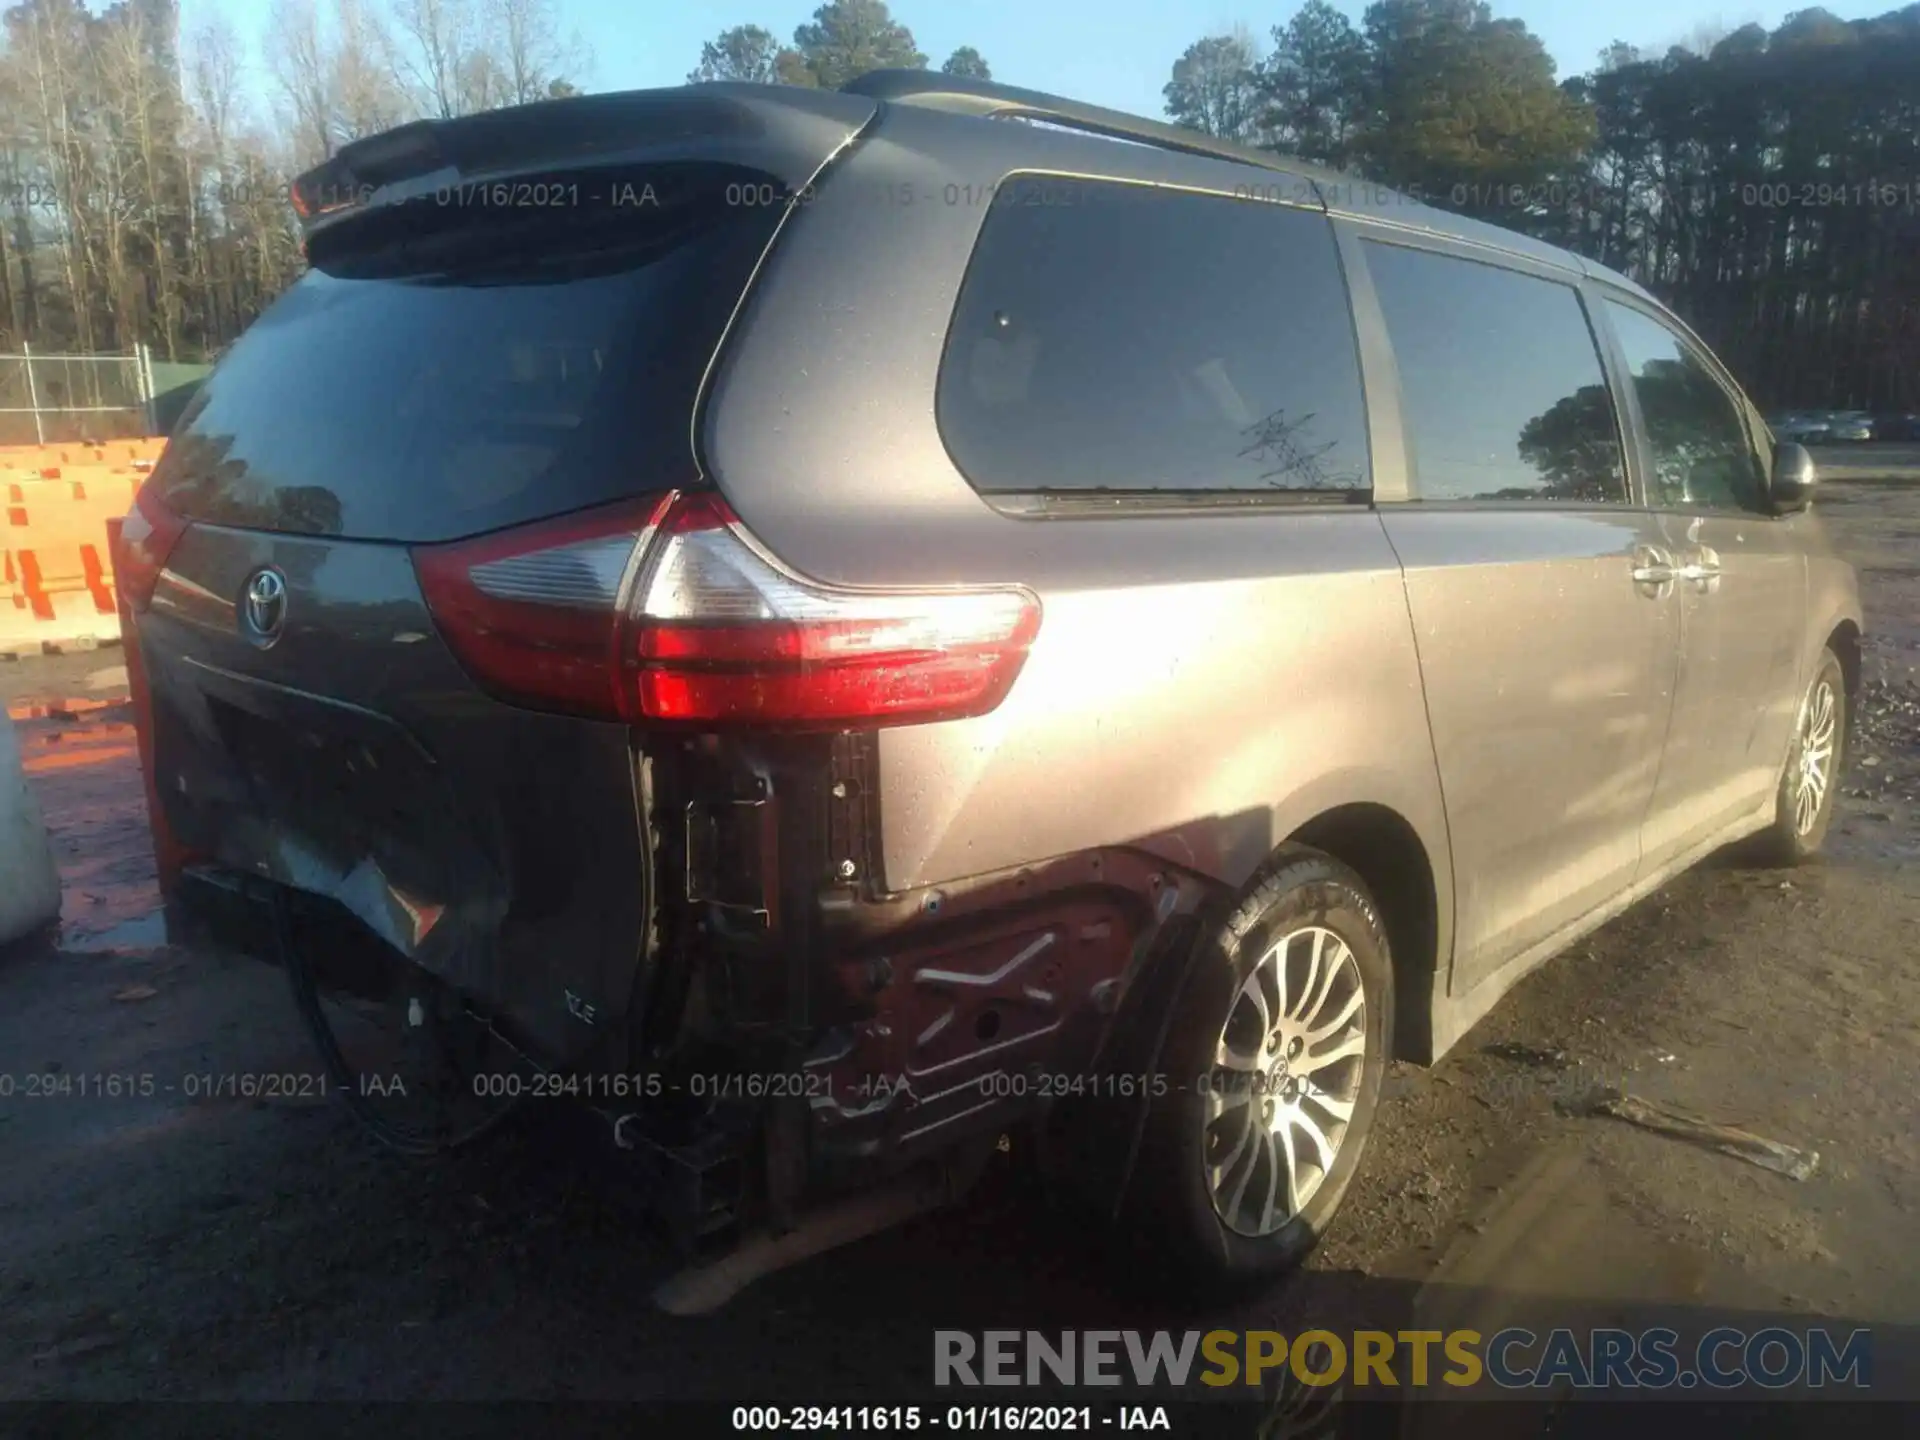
473, 369
1701, 454
1117, 337
1501, 388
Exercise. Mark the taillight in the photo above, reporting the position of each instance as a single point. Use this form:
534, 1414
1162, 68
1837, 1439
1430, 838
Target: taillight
535, 614
673, 613
147, 538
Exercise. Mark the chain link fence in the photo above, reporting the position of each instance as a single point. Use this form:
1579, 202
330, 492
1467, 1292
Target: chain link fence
51, 399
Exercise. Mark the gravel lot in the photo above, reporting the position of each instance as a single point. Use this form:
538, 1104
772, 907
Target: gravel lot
178, 1246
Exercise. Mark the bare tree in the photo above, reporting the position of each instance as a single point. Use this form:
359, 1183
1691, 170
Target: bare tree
147, 200
19, 167
530, 49
263, 242
141, 204
366, 97
214, 77
436, 39
215, 71
482, 83
302, 71
51, 41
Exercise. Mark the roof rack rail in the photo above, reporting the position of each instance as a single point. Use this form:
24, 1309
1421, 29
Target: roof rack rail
988, 98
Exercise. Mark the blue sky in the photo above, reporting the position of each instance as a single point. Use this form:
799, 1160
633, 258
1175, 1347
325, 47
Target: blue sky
1109, 52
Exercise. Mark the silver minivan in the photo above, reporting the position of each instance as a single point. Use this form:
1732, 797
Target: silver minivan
838, 627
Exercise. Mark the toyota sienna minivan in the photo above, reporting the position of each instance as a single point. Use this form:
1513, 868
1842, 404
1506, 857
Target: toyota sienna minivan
836, 628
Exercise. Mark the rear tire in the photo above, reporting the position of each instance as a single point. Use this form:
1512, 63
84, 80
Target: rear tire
405, 1056
1273, 1063
1809, 782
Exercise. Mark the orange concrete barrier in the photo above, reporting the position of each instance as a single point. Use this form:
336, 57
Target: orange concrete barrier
107, 452
56, 562
12, 600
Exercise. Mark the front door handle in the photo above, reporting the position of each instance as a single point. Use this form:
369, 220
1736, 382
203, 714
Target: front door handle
1702, 571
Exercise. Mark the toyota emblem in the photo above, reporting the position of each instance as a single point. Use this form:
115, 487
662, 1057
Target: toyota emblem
264, 610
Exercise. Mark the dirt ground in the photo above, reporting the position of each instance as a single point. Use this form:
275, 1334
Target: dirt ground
167, 1244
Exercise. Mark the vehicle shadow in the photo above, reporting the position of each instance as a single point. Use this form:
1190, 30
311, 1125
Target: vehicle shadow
862, 1325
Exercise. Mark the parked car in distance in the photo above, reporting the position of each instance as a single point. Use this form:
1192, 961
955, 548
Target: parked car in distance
1850, 426
1800, 426
1113, 651
1896, 425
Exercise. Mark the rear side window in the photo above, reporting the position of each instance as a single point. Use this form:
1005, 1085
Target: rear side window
473, 369
1125, 338
1501, 389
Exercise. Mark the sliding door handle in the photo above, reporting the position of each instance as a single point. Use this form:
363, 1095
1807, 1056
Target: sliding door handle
1652, 566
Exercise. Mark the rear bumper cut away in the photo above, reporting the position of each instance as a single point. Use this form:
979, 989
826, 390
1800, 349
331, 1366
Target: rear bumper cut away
623, 902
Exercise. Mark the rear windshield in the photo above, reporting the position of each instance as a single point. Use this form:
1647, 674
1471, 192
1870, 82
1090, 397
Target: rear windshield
473, 367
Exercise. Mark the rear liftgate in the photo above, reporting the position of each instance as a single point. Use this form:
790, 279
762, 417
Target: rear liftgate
800, 1031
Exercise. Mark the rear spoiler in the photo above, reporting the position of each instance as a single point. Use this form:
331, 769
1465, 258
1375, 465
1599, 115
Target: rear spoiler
783, 131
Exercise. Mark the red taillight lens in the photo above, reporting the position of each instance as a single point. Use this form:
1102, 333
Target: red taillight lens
727, 636
535, 614
678, 615
147, 538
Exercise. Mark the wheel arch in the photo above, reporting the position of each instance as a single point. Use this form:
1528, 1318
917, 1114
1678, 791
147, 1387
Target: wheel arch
1385, 850
1844, 642
1408, 879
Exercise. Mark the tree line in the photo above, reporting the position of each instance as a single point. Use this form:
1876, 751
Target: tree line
1766, 184
845, 39
143, 174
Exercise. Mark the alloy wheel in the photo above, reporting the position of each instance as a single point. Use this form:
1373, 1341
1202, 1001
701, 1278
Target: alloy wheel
1285, 1080
1818, 731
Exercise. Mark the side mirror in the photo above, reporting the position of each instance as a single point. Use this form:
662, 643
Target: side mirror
1794, 479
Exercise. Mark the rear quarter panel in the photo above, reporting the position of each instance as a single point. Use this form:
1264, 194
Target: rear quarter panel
1201, 687
1203, 683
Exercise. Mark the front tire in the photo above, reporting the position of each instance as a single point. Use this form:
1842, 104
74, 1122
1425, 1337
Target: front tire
1274, 1057
1803, 807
